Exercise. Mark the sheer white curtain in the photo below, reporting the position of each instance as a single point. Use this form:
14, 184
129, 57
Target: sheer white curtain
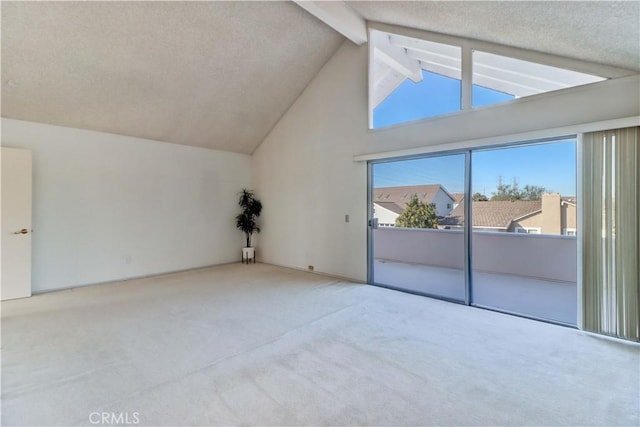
611, 233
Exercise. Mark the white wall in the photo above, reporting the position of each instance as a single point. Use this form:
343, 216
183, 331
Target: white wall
306, 177
109, 207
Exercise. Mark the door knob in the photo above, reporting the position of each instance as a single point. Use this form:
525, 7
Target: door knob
23, 231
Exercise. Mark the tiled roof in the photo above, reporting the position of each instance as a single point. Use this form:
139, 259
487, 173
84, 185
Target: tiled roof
458, 197
401, 195
498, 214
393, 207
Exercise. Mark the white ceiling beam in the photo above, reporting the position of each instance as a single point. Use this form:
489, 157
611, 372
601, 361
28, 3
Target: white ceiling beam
381, 76
450, 67
387, 86
435, 58
395, 57
425, 46
338, 16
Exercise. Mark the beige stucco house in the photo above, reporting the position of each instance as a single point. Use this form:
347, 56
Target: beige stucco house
553, 214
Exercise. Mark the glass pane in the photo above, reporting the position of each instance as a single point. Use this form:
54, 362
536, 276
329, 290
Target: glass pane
412, 250
524, 227
485, 96
412, 79
499, 78
434, 95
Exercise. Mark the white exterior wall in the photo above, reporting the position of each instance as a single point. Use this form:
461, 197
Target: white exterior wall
441, 201
384, 215
305, 174
109, 207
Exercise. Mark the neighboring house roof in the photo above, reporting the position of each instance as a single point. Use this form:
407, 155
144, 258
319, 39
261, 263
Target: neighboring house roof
458, 197
494, 214
393, 207
401, 195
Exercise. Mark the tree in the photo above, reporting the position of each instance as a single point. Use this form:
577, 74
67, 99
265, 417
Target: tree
418, 214
479, 197
508, 192
511, 192
533, 192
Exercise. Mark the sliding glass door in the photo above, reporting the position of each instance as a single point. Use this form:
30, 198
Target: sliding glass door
508, 244
524, 216
412, 249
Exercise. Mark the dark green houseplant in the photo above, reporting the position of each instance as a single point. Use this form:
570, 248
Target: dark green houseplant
247, 220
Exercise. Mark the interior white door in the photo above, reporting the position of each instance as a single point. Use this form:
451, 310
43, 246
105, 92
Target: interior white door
15, 208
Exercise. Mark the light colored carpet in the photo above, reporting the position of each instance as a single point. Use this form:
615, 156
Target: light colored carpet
262, 345
542, 299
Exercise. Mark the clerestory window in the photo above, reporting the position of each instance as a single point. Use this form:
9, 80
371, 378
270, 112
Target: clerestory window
499, 78
412, 79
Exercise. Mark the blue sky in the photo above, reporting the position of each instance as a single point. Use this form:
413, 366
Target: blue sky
434, 95
551, 165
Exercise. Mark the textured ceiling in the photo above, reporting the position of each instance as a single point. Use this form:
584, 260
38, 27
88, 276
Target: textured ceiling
221, 74
210, 74
597, 31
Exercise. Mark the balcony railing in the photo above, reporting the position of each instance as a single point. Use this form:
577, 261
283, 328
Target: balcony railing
529, 274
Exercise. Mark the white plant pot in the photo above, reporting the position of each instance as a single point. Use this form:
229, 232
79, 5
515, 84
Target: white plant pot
249, 254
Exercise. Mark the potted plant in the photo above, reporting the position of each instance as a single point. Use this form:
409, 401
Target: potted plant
246, 221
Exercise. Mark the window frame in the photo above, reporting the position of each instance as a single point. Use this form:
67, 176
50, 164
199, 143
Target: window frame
468, 46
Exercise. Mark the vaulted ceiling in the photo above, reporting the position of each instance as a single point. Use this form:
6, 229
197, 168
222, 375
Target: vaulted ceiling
209, 74
605, 32
221, 74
